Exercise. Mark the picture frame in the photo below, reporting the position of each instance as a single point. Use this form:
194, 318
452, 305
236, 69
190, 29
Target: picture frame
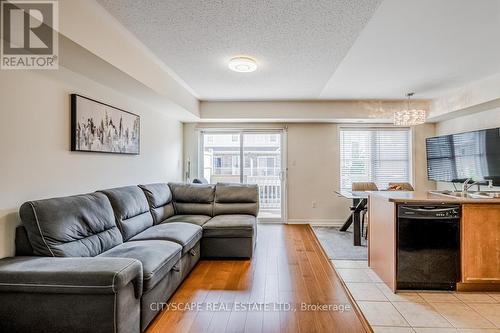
102, 128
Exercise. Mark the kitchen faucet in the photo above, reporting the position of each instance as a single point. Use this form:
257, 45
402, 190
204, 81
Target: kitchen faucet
468, 183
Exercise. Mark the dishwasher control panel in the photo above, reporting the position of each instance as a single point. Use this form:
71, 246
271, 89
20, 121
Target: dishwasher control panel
429, 212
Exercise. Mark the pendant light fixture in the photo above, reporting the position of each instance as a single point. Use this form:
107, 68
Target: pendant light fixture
409, 117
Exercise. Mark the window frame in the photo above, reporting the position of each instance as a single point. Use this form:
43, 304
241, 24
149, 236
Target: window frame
371, 127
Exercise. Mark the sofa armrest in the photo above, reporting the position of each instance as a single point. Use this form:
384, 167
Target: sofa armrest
70, 275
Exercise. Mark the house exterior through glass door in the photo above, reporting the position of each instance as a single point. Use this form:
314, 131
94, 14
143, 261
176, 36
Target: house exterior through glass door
262, 156
262, 165
221, 157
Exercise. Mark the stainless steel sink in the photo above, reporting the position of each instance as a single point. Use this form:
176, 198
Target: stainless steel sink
486, 194
451, 194
471, 195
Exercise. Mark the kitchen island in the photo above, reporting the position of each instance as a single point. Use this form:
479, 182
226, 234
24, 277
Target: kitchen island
479, 236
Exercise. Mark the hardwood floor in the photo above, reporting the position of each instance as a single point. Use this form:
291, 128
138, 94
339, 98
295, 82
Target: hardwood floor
288, 269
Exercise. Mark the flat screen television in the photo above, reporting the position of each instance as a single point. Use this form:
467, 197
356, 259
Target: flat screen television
455, 157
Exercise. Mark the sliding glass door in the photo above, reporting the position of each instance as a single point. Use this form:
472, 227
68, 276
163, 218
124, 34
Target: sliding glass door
221, 157
262, 156
248, 157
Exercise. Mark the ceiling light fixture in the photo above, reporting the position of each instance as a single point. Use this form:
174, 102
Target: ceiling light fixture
242, 64
409, 117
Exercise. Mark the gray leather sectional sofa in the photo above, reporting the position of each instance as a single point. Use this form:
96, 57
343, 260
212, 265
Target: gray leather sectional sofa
107, 261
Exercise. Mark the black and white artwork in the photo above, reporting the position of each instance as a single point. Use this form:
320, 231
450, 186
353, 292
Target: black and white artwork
98, 127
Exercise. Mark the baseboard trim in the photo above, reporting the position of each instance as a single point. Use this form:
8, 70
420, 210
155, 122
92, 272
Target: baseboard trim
318, 222
492, 286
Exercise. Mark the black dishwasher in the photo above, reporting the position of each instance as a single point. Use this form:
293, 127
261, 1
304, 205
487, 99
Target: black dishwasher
428, 247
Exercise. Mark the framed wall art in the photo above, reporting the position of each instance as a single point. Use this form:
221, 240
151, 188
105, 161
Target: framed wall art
99, 127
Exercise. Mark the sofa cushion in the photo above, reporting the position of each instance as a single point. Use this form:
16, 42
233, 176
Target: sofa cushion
193, 199
131, 210
236, 199
157, 258
234, 225
23, 245
75, 226
184, 234
160, 201
194, 219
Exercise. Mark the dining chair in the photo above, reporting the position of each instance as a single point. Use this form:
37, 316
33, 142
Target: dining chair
401, 187
363, 186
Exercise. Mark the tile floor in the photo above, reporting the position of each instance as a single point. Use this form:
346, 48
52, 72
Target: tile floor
420, 312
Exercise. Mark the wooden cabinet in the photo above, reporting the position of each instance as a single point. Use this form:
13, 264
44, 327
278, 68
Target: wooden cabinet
480, 247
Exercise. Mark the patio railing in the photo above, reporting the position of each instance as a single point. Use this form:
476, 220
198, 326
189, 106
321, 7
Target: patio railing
269, 190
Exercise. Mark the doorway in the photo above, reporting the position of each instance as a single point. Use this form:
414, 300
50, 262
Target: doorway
248, 157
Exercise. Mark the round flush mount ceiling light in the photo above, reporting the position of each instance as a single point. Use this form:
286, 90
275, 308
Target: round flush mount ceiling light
242, 64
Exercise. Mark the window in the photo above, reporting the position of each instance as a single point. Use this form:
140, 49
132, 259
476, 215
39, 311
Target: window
226, 164
379, 155
266, 165
217, 162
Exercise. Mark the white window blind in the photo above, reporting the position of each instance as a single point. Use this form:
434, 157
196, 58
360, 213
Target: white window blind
379, 155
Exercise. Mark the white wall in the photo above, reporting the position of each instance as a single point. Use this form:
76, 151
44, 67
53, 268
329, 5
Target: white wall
314, 174
35, 157
467, 99
313, 167
89, 25
420, 133
368, 111
472, 122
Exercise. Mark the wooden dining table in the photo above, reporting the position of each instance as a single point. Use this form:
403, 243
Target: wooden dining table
359, 202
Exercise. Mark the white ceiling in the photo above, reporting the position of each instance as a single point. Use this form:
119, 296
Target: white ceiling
298, 44
426, 46
322, 49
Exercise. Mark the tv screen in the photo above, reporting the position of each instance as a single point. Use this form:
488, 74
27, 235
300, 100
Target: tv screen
455, 157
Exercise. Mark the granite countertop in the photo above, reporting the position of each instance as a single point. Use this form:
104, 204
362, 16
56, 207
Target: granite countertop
419, 196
